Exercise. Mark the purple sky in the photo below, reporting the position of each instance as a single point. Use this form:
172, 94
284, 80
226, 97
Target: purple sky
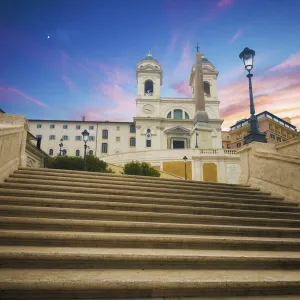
87, 66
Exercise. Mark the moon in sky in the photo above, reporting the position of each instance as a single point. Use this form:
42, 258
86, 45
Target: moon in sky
48, 37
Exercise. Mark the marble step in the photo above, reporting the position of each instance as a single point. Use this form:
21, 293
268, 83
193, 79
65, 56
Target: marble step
130, 178
111, 258
157, 241
134, 184
55, 224
188, 204
143, 207
52, 186
118, 215
15, 190
118, 283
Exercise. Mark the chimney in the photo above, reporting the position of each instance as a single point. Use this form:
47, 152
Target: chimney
38, 142
83, 118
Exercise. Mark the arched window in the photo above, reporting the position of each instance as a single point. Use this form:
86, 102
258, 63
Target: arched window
51, 152
149, 87
169, 115
91, 152
77, 153
64, 152
105, 134
206, 88
178, 114
186, 115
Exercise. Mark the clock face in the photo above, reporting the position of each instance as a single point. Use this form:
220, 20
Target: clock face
148, 109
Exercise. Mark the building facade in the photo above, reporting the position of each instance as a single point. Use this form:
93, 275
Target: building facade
276, 129
162, 132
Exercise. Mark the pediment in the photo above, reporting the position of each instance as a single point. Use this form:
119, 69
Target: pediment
177, 130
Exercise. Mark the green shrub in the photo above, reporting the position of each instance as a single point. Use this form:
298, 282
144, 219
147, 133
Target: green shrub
93, 163
137, 168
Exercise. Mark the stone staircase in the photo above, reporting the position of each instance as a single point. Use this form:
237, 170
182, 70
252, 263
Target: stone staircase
80, 235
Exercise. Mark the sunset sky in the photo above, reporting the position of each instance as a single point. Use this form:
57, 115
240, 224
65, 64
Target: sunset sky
62, 59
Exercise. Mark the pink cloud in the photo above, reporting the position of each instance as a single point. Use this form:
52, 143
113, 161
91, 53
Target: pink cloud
292, 62
224, 3
236, 35
10, 92
182, 88
68, 82
278, 93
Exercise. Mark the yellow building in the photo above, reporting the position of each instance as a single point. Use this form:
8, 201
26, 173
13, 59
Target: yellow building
276, 129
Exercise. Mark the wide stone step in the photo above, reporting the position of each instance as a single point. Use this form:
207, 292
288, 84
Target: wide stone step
116, 283
130, 178
178, 209
86, 258
128, 240
15, 191
104, 180
189, 204
92, 214
25, 223
112, 191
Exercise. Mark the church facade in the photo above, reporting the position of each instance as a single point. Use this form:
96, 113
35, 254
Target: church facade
163, 131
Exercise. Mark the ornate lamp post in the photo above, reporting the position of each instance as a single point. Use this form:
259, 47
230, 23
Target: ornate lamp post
85, 135
60, 146
254, 135
185, 159
196, 146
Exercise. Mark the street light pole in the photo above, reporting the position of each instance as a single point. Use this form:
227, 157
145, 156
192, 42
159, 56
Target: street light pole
185, 175
85, 135
254, 135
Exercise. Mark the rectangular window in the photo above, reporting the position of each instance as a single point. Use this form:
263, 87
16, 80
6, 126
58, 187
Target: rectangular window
279, 139
65, 126
105, 134
132, 142
91, 127
52, 126
91, 138
78, 138
148, 143
272, 136
238, 145
228, 146
38, 125
118, 139
104, 148
228, 137
78, 126
132, 128
65, 137
118, 128
52, 137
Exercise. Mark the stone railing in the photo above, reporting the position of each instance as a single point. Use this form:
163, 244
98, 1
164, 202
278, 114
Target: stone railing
273, 168
15, 148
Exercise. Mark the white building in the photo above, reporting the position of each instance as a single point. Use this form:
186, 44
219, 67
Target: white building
163, 131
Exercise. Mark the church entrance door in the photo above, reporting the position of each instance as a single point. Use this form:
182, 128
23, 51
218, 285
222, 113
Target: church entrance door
178, 144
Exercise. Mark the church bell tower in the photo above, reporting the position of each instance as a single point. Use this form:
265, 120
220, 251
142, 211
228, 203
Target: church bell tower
149, 78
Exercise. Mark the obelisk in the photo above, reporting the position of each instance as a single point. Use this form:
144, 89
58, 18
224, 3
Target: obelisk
201, 117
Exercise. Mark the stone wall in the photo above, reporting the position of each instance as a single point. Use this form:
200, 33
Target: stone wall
226, 168
273, 168
15, 150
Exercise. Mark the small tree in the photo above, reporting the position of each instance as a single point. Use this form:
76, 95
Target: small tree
93, 163
137, 168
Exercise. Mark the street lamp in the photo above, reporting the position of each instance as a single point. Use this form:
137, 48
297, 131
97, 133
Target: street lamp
254, 135
60, 146
185, 159
85, 135
196, 146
